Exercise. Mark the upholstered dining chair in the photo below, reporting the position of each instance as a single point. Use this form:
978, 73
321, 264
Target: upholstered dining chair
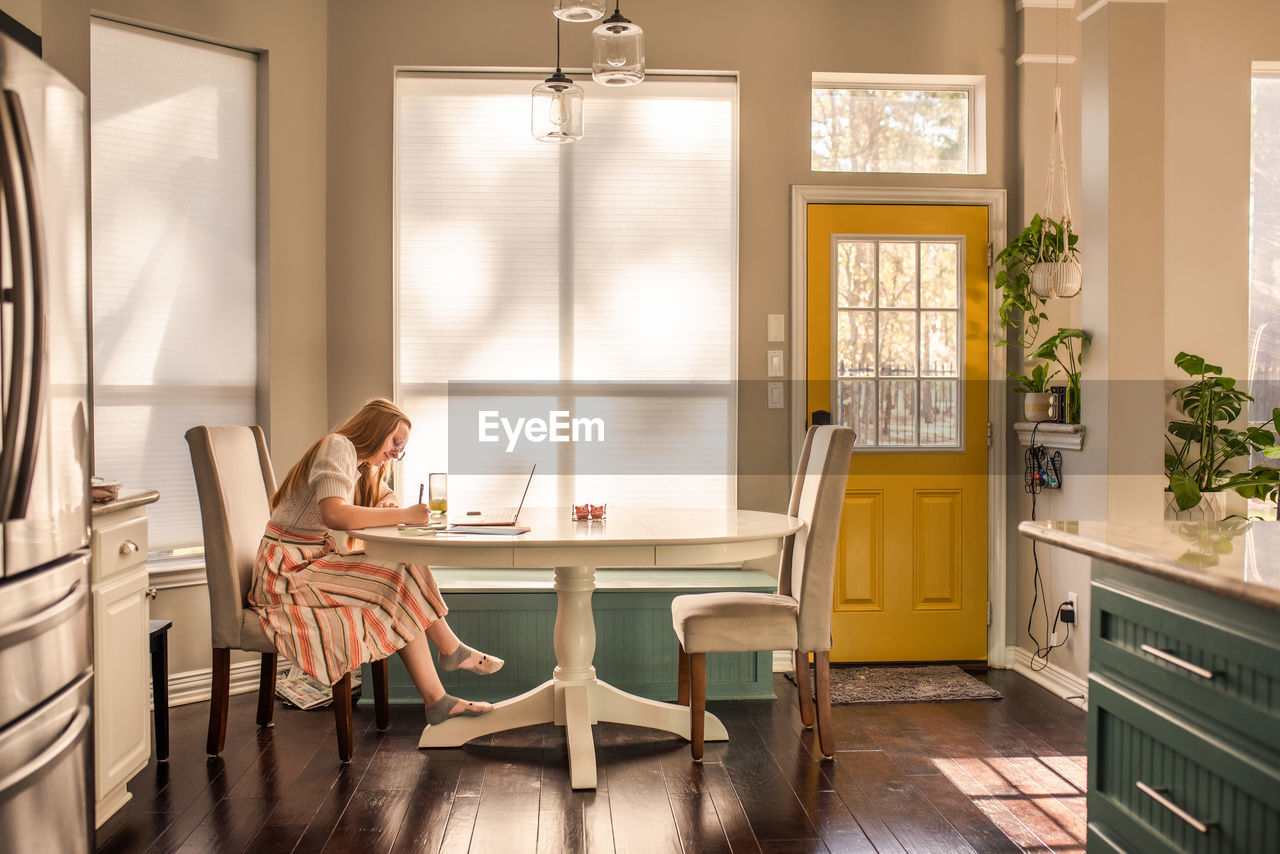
798, 615
234, 481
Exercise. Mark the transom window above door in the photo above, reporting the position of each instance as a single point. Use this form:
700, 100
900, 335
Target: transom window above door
898, 320
921, 123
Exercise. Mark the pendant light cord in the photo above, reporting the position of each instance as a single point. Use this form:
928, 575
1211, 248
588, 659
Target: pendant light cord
557, 46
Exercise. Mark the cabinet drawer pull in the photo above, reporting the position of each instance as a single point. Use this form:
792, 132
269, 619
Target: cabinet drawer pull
1155, 793
1177, 662
128, 547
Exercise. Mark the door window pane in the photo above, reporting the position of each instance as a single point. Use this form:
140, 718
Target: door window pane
939, 284
856, 271
897, 343
899, 359
897, 275
939, 413
898, 412
857, 407
857, 343
938, 344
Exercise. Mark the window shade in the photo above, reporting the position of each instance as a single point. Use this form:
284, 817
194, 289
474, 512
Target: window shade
610, 261
174, 130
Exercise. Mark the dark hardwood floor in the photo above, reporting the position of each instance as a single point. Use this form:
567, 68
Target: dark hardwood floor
982, 776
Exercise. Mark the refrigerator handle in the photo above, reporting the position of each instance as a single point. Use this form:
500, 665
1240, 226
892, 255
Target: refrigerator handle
46, 620
70, 737
39, 356
15, 294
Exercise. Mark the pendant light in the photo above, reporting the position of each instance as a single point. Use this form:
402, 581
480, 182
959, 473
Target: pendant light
617, 51
557, 106
579, 11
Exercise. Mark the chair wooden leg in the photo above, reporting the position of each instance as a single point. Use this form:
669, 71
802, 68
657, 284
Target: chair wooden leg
381, 695
219, 699
682, 678
267, 689
698, 702
822, 676
804, 688
342, 716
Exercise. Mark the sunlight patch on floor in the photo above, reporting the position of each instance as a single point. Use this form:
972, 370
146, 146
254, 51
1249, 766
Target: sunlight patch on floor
1037, 801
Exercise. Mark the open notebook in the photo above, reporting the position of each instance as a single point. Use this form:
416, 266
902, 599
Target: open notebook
501, 521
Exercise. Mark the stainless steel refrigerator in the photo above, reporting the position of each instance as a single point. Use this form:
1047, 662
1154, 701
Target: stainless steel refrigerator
45, 639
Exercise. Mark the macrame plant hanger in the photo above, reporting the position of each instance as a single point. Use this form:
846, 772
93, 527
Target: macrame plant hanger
1058, 274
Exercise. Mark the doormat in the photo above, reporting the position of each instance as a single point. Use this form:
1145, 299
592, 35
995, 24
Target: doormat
922, 684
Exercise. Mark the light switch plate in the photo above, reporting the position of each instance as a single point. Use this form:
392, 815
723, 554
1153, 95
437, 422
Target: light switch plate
775, 363
777, 328
775, 395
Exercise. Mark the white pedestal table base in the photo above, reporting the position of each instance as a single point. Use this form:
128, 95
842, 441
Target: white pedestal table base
574, 699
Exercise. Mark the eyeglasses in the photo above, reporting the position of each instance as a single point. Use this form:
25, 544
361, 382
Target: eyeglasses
401, 448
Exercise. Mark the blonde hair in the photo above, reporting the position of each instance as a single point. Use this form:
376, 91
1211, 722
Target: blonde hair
368, 429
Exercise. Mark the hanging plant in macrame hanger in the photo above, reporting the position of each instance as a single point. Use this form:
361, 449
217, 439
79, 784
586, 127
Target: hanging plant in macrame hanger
1056, 270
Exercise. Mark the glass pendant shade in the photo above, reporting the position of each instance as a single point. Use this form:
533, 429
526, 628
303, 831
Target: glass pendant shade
557, 110
579, 11
617, 52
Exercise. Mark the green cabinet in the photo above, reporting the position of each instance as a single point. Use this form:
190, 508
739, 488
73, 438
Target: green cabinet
1184, 718
512, 614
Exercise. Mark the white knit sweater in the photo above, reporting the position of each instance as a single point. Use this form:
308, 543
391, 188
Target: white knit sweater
333, 475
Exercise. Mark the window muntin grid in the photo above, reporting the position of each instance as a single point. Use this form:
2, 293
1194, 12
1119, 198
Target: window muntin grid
898, 318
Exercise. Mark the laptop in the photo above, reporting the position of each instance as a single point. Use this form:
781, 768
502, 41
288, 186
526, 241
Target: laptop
502, 516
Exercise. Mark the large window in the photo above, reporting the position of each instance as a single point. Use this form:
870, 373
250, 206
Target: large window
898, 123
596, 279
1264, 253
174, 258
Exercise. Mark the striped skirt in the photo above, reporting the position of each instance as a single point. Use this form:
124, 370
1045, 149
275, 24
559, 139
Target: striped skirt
329, 612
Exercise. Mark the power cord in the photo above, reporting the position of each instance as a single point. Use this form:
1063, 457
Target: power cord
1034, 484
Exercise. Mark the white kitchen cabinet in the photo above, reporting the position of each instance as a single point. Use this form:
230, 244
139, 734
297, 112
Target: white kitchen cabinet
121, 613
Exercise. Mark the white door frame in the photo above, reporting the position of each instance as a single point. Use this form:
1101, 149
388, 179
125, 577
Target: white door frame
803, 195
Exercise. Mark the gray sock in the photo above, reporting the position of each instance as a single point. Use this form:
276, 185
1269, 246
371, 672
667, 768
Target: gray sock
454, 660
439, 711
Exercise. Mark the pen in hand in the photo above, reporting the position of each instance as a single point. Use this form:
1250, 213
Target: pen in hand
420, 488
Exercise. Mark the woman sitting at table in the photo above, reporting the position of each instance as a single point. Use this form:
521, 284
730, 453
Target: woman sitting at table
329, 609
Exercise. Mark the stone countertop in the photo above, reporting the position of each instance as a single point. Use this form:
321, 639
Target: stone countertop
1236, 558
124, 501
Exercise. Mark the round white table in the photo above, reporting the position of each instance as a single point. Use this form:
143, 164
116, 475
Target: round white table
642, 537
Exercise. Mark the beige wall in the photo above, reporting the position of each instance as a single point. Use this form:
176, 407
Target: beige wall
290, 36
773, 48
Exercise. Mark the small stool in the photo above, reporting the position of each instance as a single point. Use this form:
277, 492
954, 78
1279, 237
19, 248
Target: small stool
160, 685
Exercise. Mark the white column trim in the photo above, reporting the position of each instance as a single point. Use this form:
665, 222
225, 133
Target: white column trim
802, 195
1098, 6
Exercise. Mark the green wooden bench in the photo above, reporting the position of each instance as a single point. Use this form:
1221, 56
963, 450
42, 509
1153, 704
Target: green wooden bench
511, 613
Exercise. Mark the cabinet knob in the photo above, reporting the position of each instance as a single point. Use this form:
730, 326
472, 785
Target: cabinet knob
128, 547
151, 592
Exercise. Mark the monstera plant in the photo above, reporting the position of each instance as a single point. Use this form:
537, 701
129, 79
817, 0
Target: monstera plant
1203, 445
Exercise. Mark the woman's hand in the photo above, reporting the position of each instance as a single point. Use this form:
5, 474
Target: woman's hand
389, 500
417, 514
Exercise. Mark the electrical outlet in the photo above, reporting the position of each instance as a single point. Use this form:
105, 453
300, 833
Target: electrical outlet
1069, 610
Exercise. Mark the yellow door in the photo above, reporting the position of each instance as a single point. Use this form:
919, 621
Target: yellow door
897, 349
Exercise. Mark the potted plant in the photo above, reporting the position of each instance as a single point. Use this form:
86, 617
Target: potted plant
1036, 386
1029, 267
1202, 447
1066, 347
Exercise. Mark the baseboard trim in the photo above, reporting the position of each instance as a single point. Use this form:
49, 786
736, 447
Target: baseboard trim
1053, 678
784, 660
196, 686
